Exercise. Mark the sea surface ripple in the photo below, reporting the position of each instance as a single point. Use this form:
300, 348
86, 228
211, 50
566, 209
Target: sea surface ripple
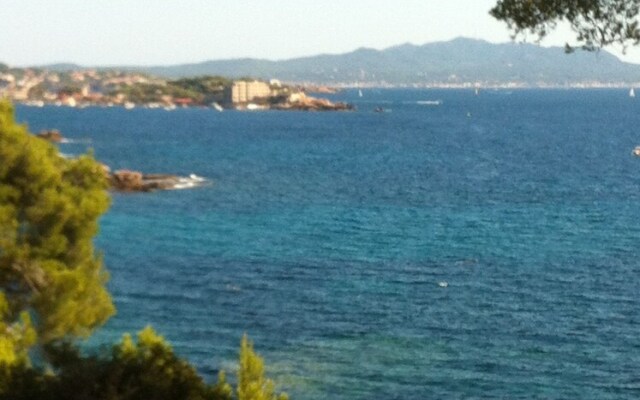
457, 246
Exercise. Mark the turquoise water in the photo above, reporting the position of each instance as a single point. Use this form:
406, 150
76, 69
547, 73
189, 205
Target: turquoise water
328, 238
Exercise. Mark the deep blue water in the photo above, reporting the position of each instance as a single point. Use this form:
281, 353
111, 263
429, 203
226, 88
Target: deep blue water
325, 237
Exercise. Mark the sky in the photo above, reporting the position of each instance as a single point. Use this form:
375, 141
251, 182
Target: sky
165, 32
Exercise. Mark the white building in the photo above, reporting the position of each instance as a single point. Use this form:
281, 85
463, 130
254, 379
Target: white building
245, 92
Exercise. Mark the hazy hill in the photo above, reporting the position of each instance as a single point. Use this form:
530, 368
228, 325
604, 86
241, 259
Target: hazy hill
456, 61
62, 67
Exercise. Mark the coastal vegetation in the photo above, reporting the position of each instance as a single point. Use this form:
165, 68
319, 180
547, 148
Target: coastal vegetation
104, 87
91, 87
52, 279
53, 292
144, 368
202, 90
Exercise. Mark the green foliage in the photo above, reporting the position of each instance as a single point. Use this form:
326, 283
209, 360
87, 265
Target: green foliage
37, 91
52, 284
20, 382
18, 338
201, 90
70, 89
145, 369
252, 384
144, 92
149, 369
203, 84
222, 389
208, 88
596, 23
141, 369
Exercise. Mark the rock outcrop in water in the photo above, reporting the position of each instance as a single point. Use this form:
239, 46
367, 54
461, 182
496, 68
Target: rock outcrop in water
52, 135
125, 180
134, 181
302, 102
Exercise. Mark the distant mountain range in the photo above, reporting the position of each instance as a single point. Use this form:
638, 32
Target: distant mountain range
454, 62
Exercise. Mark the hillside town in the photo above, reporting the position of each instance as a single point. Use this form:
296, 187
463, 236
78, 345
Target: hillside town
110, 88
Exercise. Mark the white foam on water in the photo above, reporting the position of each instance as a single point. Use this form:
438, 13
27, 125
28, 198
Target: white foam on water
190, 182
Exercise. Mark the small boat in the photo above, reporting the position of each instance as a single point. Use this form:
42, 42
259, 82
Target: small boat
632, 93
636, 151
217, 106
378, 109
129, 105
359, 93
253, 107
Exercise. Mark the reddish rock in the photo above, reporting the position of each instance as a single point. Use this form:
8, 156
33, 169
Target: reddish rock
134, 181
307, 103
159, 181
52, 135
126, 180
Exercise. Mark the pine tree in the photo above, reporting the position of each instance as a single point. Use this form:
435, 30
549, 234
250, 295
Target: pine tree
52, 283
252, 384
596, 23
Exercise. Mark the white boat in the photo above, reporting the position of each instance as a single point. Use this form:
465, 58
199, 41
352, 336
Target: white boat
636, 151
217, 106
129, 105
359, 93
632, 93
253, 107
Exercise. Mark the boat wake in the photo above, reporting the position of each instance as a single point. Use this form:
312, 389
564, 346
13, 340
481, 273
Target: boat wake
429, 102
76, 141
190, 182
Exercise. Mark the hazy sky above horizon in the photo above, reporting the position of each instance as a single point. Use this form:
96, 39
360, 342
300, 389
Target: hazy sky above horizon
160, 32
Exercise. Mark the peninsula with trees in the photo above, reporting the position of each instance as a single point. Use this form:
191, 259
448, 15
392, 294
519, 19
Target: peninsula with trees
108, 88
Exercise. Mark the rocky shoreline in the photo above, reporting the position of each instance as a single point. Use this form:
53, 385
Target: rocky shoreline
135, 181
307, 103
125, 180
52, 135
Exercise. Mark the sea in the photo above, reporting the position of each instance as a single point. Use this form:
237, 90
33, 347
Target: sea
452, 246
